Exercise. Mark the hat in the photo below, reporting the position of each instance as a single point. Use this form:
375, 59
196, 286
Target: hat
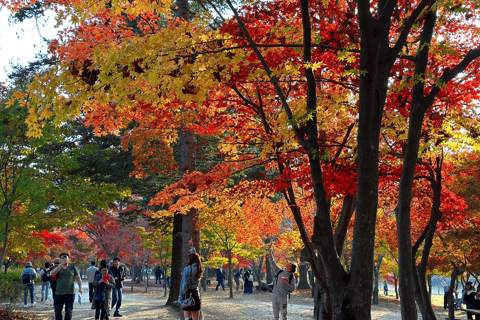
56, 261
28, 264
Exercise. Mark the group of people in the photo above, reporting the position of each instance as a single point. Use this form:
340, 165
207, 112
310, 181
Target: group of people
61, 277
470, 298
165, 275
284, 283
105, 286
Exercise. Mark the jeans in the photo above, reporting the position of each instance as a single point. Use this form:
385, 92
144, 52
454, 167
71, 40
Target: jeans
45, 286
116, 299
157, 279
59, 301
26, 288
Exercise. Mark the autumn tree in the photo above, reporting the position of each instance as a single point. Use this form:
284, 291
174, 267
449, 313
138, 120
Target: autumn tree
357, 69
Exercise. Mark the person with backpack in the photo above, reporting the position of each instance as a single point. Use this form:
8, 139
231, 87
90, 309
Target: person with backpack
45, 281
284, 283
28, 276
66, 274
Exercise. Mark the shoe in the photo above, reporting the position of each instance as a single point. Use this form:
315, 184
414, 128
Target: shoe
25, 305
34, 303
46, 300
116, 314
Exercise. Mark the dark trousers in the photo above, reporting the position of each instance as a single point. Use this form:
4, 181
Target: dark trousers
63, 300
220, 282
90, 292
101, 313
53, 286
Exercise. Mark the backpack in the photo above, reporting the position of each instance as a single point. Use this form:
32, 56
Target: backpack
45, 276
289, 279
26, 277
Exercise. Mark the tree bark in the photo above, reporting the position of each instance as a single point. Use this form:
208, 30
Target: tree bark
303, 279
376, 274
177, 266
230, 282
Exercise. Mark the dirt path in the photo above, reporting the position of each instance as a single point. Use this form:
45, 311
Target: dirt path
215, 305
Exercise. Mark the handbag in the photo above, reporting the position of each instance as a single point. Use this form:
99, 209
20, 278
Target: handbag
188, 301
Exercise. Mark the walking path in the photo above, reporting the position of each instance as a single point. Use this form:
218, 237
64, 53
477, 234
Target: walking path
216, 305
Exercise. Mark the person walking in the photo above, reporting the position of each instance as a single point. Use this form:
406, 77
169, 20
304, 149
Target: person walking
220, 278
192, 274
90, 278
158, 275
119, 273
248, 281
45, 281
53, 279
28, 277
103, 285
66, 275
168, 272
284, 283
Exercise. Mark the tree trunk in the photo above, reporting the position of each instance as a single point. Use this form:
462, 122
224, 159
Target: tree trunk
230, 284
429, 282
176, 267
5, 240
396, 285
303, 279
453, 279
376, 274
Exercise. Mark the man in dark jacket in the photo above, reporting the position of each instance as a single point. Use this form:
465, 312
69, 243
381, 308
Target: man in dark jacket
119, 272
158, 275
220, 278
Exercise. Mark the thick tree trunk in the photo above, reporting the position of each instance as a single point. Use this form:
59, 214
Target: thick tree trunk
303, 279
177, 266
268, 264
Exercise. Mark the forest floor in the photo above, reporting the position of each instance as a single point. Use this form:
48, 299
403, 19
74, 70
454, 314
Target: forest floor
216, 305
